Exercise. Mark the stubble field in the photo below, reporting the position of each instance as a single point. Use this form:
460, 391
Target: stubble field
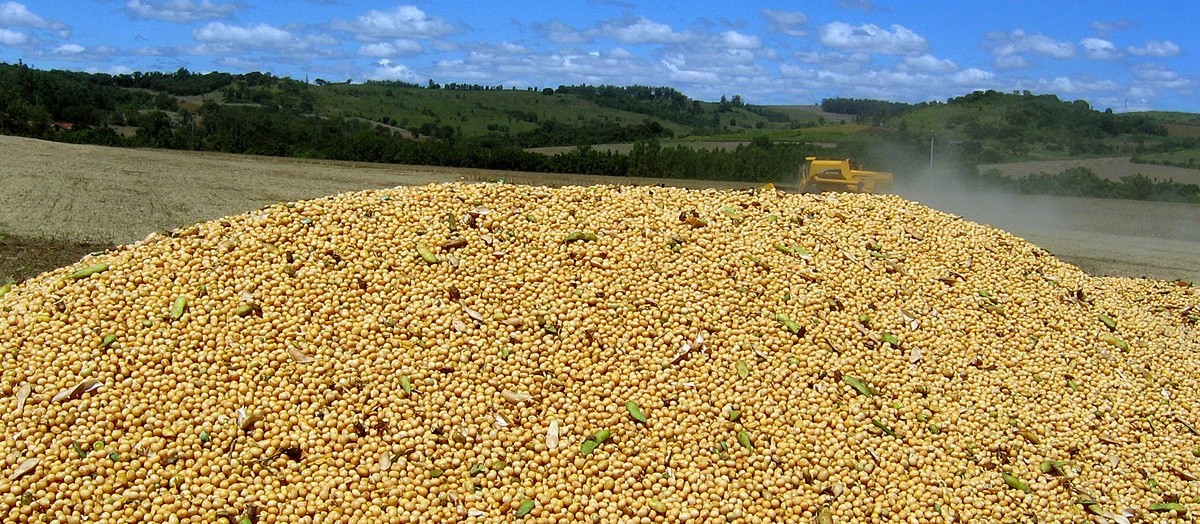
62, 201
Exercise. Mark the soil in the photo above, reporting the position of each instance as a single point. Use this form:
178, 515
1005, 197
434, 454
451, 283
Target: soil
61, 201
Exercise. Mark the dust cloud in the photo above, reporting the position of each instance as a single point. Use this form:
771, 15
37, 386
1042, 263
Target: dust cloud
1104, 237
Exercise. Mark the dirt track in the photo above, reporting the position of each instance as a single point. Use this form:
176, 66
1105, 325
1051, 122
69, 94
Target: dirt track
113, 196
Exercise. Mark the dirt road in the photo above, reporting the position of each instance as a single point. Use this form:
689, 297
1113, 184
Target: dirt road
1126, 238
87, 194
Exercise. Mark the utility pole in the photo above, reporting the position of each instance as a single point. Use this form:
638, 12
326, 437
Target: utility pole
931, 154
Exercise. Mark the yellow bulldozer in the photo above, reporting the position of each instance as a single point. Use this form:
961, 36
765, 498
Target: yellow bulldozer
839, 175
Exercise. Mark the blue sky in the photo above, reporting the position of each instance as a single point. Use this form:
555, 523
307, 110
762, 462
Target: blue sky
1123, 55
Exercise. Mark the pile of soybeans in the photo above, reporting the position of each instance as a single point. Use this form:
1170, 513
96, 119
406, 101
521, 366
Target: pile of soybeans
495, 353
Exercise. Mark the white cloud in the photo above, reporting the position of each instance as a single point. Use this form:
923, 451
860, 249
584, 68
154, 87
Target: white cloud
929, 64
1104, 27
974, 77
1011, 62
721, 65
390, 71
862, 5
69, 49
561, 33
791, 23
15, 14
832, 58
112, 70
402, 46
641, 31
1099, 48
791, 71
736, 40
563, 67
1009, 48
9, 37
511, 48
320, 40
1161, 77
1156, 48
404, 21
871, 38
243, 64
181, 11
679, 71
1142, 92
1064, 84
261, 35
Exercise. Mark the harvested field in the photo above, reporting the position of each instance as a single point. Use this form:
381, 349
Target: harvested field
109, 195
1127, 238
1110, 168
70, 195
500, 353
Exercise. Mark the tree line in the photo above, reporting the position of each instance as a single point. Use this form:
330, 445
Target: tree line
1081, 181
268, 115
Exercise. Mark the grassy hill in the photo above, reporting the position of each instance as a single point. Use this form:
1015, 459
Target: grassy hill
997, 127
475, 111
495, 128
1172, 117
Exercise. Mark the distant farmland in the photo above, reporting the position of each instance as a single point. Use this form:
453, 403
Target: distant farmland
1110, 168
626, 148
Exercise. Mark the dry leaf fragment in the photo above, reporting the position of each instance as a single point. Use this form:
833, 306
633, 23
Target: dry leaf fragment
22, 395
502, 421
475, 315
458, 325
26, 467
299, 356
515, 397
77, 390
682, 354
552, 435
1183, 475
915, 355
246, 419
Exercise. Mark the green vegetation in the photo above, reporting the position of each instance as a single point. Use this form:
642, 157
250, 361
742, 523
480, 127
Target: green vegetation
1172, 117
1180, 158
452, 125
1081, 181
838, 133
990, 127
876, 110
464, 125
472, 112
